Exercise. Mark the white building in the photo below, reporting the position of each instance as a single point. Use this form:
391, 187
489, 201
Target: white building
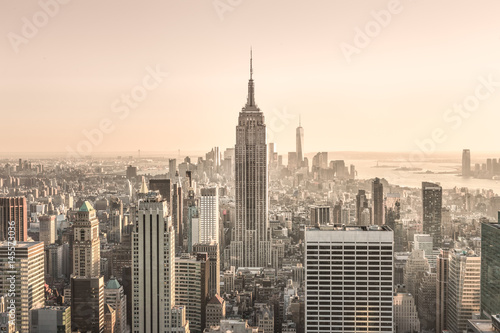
47, 229
153, 264
209, 216
349, 279
405, 313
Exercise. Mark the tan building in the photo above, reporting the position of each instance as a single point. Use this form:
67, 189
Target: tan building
405, 312
464, 289
216, 311
29, 282
109, 319
47, 229
86, 244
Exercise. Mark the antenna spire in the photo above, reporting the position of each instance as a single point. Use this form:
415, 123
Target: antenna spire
251, 66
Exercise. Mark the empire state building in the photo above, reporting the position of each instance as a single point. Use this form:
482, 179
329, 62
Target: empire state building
251, 243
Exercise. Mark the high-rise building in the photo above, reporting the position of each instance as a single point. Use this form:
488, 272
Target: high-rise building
192, 220
209, 215
216, 311
251, 246
172, 168
28, 268
214, 255
153, 267
292, 161
463, 289
378, 201
361, 205
300, 144
442, 266
14, 209
86, 243
191, 288
466, 163
415, 268
165, 188
405, 312
131, 172
114, 295
47, 229
176, 212
490, 269
320, 215
115, 227
349, 279
432, 196
51, 319
87, 304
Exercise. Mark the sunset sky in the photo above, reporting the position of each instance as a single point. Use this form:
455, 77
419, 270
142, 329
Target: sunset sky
69, 75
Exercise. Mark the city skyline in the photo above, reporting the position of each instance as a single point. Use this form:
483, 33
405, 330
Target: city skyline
402, 71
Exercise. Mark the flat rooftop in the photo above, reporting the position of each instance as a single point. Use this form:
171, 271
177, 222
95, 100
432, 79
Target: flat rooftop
339, 227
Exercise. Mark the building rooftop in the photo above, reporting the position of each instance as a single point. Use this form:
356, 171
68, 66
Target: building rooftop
86, 207
113, 284
338, 227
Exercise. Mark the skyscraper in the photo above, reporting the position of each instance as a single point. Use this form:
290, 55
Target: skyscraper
300, 144
466, 163
251, 246
209, 215
442, 266
86, 244
490, 269
29, 279
214, 262
378, 202
463, 289
153, 267
432, 196
47, 229
87, 284
349, 279
87, 304
191, 288
14, 209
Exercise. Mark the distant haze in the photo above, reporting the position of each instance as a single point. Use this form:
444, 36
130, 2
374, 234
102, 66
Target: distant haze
66, 77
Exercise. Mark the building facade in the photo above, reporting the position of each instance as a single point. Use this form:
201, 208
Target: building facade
349, 279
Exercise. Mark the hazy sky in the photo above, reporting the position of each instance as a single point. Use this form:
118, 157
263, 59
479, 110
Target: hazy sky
392, 90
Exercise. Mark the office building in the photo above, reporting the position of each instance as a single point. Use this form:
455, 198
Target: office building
47, 229
463, 289
466, 172
209, 215
131, 172
490, 269
51, 319
14, 209
361, 206
114, 296
29, 283
432, 196
251, 246
153, 267
87, 304
349, 279
86, 243
213, 252
378, 202
442, 266
191, 288
299, 144
320, 215
405, 312
216, 311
